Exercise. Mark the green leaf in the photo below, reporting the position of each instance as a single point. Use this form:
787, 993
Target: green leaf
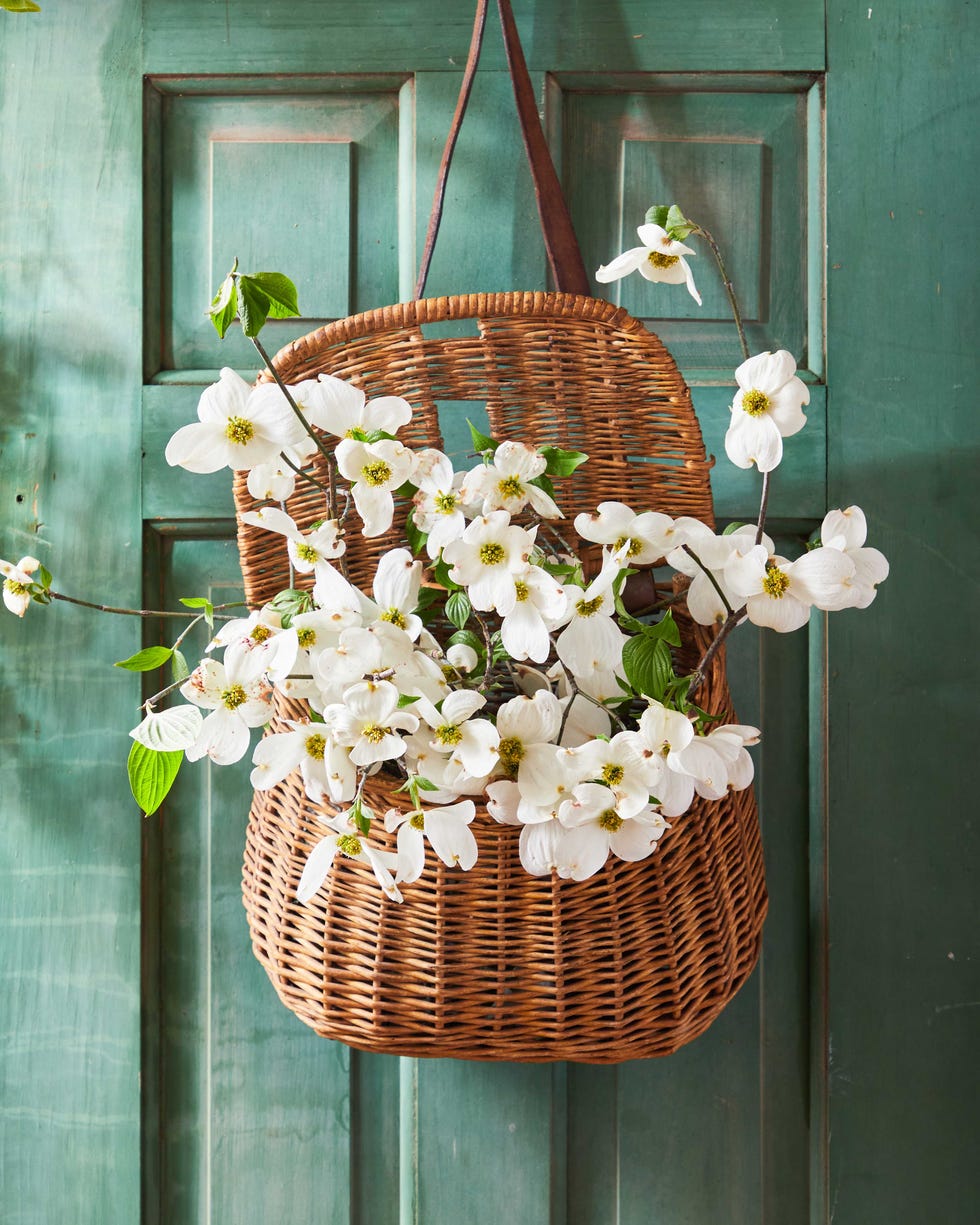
666, 629
406, 699
204, 604
424, 784
44, 577
657, 215
481, 442
458, 608
151, 775
562, 463
374, 436
224, 304
467, 638
280, 291
733, 527
253, 306
20, 6
677, 225
178, 666
544, 483
441, 572
646, 662
146, 660
406, 490
415, 537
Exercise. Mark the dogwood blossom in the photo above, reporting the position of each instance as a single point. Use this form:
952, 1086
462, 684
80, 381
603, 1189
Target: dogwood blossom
307, 549
767, 408
347, 840
661, 258
438, 504
376, 470
235, 428
779, 593
505, 483
237, 694
847, 531
597, 826
341, 408
17, 580
447, 829
367, 722
645, 537
487, 557
539, 606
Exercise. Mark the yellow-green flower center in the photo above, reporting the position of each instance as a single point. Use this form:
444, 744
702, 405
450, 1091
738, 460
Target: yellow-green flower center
315, 746
395, 617
510, 487
635, 546
417, 820
306, 637
775, 583
374, 732
612, 774
260, 633
658, 260
521, 590
610, 820
306, 552
589, 608
511, 750
449, 734
492, 554
376, 474
239, 430
234, 696
15, 587
445, 503
755, 403
350, 846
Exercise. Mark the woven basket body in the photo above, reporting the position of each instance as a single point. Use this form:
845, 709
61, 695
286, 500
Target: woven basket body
494, 963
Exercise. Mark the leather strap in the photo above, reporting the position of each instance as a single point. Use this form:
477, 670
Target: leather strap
564, 256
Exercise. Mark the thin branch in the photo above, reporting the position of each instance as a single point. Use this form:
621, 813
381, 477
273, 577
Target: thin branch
140, 612
733, 620
714, 582
763, 508
729, 288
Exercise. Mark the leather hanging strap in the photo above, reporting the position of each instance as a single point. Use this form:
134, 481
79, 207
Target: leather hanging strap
564, 256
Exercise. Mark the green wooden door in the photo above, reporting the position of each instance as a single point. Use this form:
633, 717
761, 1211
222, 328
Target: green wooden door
148, 1067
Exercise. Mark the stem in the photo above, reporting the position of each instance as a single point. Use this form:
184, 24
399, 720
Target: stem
763, 508
488, 644
148, 704
307, 476
729, 288
140, 612
302, 420
731, 622
714, 582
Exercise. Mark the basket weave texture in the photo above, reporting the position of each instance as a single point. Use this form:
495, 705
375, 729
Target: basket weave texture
494, 963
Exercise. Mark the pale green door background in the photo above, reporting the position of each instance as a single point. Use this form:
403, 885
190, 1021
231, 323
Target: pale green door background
146, 1066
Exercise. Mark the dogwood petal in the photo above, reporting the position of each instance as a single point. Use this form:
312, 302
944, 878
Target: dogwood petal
766, 372
753, 440
316, 868
411, 853
622, 265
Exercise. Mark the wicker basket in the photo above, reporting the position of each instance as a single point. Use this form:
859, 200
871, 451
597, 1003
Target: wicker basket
494, 963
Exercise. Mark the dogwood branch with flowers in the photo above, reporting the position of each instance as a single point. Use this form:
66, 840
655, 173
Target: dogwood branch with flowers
486, 661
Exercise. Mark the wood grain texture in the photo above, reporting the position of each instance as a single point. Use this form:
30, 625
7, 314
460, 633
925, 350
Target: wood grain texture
69, 837
904, 442
334, 36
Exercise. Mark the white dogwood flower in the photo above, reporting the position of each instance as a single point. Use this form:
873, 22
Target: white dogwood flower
325, 766
847, 531
234, 428
661, 258
486, 558
341, 408
597, 826
592, 641
767, 408
439, 503
307, 549
539, 606
397, 583
780, 593
346, 839
505, 483
448, 830
645, 537
471, 743
375, 470
17, 582
367, 722
237, 694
